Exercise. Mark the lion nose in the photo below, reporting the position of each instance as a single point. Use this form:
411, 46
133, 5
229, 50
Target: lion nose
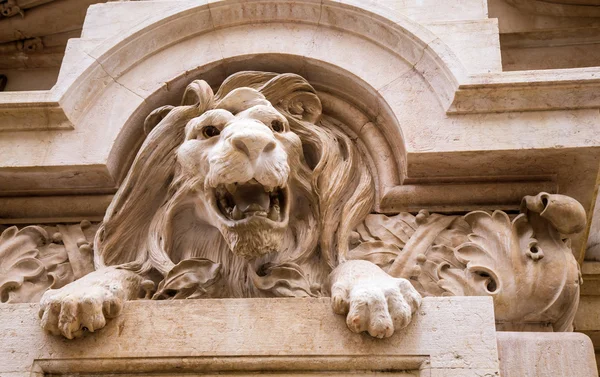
253, 145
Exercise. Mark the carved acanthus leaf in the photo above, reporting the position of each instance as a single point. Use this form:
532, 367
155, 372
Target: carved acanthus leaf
380, 239
34, 259
190, 278
525, 263
284, 280
27, 267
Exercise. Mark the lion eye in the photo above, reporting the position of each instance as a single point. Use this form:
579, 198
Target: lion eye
210, 131
277, 126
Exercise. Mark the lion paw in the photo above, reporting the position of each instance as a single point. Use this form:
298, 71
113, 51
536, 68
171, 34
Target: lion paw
74, 309
378, 305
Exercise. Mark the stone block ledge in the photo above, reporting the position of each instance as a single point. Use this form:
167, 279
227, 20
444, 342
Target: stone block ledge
449, 336
254, 335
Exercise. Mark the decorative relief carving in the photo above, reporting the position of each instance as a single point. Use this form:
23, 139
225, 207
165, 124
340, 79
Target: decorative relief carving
253, 192
36, 258
247, 192
525, 263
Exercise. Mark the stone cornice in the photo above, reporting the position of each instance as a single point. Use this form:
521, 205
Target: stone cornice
553, 89
459, 92
568, 8
560, 89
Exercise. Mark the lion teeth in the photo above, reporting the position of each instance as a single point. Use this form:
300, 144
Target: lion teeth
223, 203
239, 201
256, 213
231, 187
274, 213
237, 214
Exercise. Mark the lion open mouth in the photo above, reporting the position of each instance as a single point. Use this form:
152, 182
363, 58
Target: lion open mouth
239, 201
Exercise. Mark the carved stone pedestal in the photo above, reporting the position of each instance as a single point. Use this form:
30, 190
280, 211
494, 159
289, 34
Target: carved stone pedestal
448, 337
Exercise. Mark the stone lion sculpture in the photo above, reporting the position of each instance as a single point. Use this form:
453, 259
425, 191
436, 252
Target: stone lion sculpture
244, 193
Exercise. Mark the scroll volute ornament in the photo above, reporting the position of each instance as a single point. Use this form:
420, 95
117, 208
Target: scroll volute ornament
552, 219
18, 263
565, 214
303, 106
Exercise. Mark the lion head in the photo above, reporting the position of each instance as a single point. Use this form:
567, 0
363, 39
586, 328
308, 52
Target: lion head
239, 154
252, 176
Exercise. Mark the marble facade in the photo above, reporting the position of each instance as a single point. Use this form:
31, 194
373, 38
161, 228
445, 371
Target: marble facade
432, 168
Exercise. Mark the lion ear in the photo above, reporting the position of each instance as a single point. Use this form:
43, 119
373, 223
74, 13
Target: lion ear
305, 106
199, 94
156, 117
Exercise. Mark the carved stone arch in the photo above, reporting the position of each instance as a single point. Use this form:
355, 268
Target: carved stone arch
114, 77
168, 52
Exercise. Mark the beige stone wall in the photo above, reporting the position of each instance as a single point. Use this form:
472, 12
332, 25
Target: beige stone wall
460, 105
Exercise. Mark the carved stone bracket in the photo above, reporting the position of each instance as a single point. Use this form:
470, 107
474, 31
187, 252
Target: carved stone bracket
525, 262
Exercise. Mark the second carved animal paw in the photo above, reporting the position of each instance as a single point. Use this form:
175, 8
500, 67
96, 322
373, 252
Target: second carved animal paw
76, 308
376, 302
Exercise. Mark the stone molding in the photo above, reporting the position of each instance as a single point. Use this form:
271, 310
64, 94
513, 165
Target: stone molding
564, 8
458, 90
16, 7
449, 337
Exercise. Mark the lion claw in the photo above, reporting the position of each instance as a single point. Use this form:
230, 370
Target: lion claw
376, 303
73, 310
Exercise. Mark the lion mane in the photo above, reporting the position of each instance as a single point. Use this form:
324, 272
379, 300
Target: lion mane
150, 226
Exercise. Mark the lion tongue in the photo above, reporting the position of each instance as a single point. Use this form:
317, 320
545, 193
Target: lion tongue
251, 198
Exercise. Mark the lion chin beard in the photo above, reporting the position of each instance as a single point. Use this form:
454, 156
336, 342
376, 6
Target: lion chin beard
252, 240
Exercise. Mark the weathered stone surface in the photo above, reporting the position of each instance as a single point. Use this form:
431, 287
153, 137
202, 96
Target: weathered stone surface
530, 354
116, 73
448, 337
245, 192
415, 87
251, 191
